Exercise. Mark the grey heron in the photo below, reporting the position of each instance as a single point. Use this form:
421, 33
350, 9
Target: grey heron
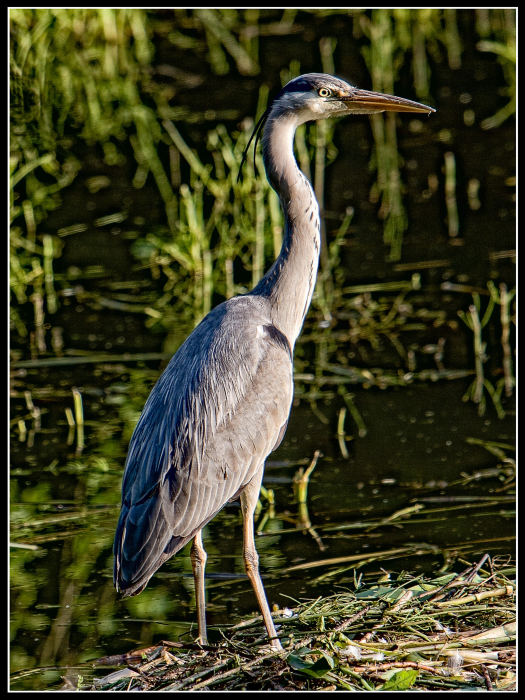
222, 403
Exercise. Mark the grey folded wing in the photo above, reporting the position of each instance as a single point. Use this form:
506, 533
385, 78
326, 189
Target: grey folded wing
218, 410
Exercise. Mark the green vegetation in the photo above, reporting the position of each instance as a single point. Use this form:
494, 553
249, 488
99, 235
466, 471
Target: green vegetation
85, 75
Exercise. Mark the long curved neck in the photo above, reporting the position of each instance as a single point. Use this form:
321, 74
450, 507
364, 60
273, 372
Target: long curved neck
290, 282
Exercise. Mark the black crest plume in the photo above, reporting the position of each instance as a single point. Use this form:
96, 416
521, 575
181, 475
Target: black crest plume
296, 85
257, 133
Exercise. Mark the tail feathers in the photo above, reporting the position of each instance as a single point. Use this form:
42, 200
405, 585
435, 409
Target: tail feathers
127, 582
143, 542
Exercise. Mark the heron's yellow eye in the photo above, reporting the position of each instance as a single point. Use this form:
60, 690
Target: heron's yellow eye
324, 92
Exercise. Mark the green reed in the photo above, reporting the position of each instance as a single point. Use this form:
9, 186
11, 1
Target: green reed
476, 390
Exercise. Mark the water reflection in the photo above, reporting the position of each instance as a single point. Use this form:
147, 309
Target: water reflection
65, 609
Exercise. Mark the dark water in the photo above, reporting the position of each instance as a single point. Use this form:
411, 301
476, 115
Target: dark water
65, 610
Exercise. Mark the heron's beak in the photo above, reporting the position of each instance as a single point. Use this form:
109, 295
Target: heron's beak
363, 100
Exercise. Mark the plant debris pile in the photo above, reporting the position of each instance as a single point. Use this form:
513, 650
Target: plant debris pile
454, 632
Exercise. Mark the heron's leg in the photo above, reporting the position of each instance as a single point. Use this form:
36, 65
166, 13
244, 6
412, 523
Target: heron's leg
249, 498
198, 564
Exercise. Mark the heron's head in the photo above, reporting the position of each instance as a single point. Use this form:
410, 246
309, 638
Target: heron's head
316, 96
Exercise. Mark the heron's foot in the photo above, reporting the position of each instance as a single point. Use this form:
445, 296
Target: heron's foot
276, 645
